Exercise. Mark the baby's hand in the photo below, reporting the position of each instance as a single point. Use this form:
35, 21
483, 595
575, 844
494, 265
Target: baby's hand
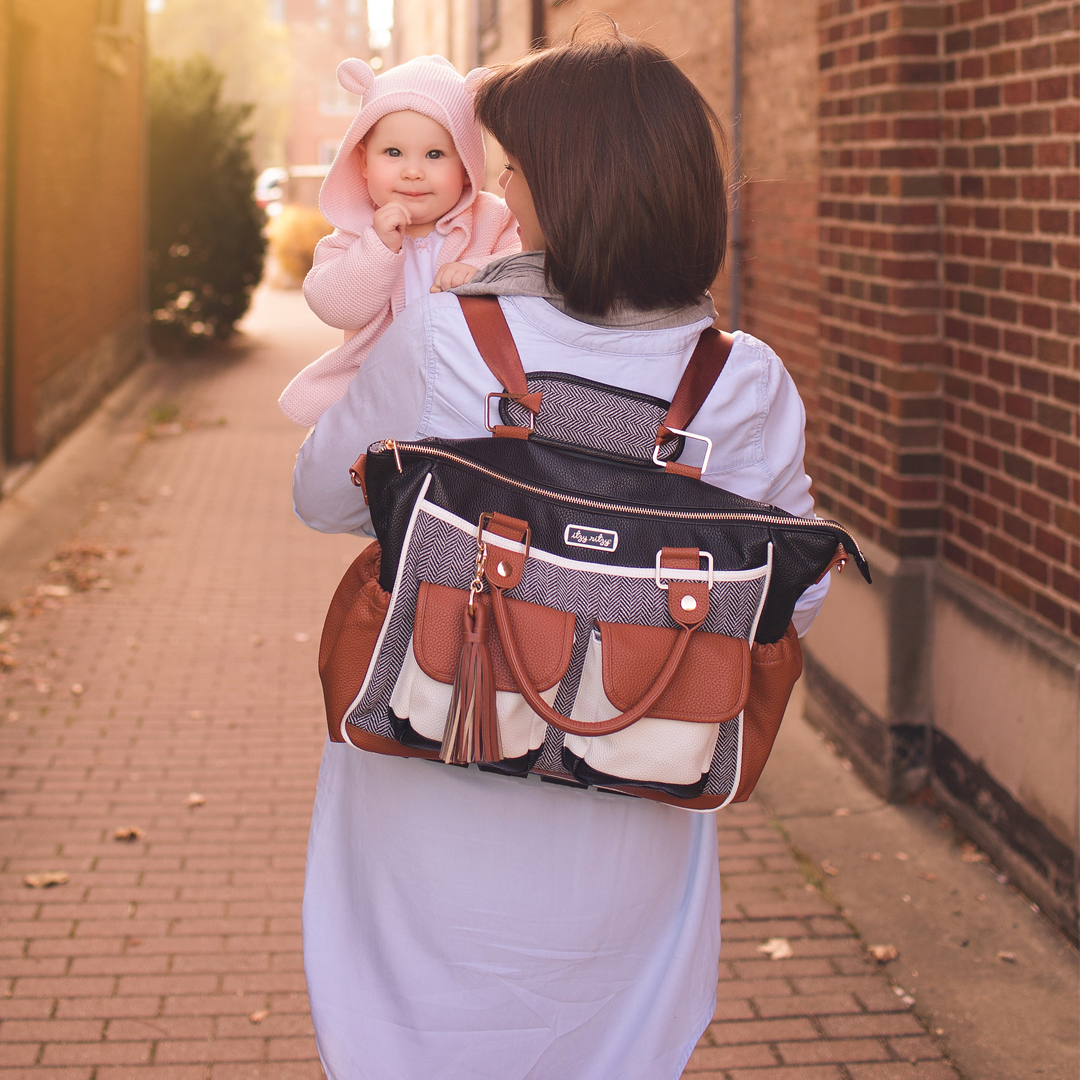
389, 223
452, 275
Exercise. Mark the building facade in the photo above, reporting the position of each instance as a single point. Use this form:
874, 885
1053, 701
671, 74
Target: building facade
322, 33
73, 228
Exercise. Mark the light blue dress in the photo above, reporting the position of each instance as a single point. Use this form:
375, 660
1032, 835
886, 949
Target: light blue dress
464, 926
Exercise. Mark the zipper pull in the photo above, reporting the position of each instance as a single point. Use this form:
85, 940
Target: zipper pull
391, 444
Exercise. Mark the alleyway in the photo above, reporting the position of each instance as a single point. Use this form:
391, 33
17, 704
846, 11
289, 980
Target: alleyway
177, 698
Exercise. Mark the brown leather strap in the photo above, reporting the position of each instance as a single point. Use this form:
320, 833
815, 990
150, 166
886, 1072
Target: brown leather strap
493, 339
556, 719
708, 360
487, 324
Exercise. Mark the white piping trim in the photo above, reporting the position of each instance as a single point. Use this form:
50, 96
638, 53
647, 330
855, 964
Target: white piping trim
593, 568
389, 610
738, 767
764, 595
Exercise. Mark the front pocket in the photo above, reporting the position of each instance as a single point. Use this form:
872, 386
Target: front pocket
424, 688
675, 744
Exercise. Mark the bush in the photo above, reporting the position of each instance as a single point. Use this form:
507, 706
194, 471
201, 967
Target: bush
206, 242
293, 235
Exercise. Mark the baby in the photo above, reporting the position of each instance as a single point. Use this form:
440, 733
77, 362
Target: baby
403, 195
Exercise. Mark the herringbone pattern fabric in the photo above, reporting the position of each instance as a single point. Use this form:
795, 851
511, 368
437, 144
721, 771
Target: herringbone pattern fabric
605, 419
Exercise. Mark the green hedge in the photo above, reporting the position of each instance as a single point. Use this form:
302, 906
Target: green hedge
206, 238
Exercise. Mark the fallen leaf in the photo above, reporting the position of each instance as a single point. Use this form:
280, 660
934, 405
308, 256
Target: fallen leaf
906, 898
301, 637
829, 868
1007, 957
927, 875
969, 853
46, 880
260, 1016
78, 689
129, 833
903, 856
777, 948
195, 799
883, 953
841, 811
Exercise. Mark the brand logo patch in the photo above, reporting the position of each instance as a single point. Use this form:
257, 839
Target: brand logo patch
587, 537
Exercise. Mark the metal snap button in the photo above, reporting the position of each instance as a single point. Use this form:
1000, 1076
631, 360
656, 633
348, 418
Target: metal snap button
688, 603
503, 569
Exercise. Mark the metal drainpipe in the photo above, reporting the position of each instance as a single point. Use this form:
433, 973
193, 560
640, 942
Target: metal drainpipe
736, 169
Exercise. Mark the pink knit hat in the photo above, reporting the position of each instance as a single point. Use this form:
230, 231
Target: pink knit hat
426, 84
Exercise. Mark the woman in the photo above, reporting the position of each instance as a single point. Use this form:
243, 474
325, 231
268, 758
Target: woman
463, 925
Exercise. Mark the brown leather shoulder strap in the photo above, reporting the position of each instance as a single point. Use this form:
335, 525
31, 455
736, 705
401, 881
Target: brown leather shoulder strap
708, 360
487, 324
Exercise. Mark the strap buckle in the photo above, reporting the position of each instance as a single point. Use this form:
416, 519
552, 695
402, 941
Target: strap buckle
485, 518
686, 435
509, 397
677, 574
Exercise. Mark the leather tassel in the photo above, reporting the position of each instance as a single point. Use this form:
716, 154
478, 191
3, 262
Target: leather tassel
472, 724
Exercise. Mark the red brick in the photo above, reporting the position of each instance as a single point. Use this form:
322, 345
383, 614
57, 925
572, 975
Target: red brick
840, 1051
708, 1058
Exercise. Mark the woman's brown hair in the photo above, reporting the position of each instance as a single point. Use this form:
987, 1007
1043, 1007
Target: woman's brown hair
619, 150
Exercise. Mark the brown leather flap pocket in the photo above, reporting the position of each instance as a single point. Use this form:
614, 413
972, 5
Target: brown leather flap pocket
710, 686
544, 637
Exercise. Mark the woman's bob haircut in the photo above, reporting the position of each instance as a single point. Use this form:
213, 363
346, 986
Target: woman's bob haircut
619, 150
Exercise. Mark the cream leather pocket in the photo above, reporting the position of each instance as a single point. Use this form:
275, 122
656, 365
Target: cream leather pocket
424, 688
676, 745
425, 701
655, 749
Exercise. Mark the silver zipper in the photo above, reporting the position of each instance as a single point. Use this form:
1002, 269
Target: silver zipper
608, 507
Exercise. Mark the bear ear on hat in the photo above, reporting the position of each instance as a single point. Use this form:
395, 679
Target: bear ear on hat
475, 78
356, 77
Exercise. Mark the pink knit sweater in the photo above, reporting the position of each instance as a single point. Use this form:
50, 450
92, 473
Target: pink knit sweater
356, 282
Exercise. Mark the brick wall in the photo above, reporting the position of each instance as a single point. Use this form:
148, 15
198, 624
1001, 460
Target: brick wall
780, 276
1011, 386
947, 227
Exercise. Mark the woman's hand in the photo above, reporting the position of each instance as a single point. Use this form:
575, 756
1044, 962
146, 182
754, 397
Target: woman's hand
390, 222
452, 275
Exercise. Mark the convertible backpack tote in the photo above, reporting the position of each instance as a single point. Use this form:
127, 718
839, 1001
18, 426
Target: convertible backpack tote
567, 598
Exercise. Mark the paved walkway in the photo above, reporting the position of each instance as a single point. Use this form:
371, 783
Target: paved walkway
164, 689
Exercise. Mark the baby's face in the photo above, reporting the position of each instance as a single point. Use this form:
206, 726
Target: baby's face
410, 159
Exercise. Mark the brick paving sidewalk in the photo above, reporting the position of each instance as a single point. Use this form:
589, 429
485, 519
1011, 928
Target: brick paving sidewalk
176, 955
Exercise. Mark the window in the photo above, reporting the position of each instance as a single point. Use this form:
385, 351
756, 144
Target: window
327, 149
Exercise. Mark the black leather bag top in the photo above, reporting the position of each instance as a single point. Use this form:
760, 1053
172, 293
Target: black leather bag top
590, 509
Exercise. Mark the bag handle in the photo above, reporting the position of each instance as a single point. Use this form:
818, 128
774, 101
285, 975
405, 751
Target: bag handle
688, 604
556, 719
495, 343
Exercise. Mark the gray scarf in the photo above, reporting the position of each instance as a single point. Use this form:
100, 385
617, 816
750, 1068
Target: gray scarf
522, 274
